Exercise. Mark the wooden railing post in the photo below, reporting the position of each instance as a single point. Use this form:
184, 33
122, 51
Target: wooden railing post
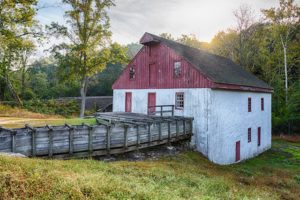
177, 128
71, 139
108, 137
50, 137
169, 132
137, 137
159, 131
125, 136
149, 134
33, 140
172, 110
13, 141
184, 127
90, 129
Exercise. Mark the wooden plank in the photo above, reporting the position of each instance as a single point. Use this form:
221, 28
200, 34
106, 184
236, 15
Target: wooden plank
169, 132
137, 137
71, 140
103, 122
125, 136
121, 150
13, 142
184, 126
149, 133
159, 131
50, 136
33, 142
90, 129
177, 128
108, 134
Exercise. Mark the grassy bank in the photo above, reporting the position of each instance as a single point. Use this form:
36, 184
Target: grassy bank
13, 117
273, 175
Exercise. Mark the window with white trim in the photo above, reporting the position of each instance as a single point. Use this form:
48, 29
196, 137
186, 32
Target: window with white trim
179, 100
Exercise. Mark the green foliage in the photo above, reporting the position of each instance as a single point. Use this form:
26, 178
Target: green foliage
16, 23
67, 108
262, 54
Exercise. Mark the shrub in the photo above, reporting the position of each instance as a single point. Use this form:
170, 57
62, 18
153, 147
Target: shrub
64, 108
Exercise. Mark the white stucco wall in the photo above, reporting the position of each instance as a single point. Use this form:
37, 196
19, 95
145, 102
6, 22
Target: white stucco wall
220, 118
230, 121
196, 105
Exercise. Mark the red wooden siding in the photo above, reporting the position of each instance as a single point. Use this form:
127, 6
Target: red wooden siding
151, 101
128, 101
163, 59
237, 150
152, 75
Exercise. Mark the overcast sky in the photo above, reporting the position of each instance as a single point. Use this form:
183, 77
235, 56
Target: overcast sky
131, 18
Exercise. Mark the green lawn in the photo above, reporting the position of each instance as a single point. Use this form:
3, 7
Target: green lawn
272, 175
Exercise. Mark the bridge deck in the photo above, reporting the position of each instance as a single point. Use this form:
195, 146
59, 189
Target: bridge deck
115, 133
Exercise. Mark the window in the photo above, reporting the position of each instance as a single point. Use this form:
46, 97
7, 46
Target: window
131, 73
249, 104
177, 69
179, 100
249, 135
258, 136
262, 106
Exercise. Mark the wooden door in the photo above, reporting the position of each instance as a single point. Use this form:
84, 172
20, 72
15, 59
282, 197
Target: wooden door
151, 102
237, 151
128, 101
152, 75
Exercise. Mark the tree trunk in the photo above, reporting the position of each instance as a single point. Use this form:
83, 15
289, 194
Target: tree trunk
83, 90
14, 92
23, 84
286, 75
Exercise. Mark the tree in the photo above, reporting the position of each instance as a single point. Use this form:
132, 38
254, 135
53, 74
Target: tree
192, 41
88, 32
245, 19
167, 36
16, 21
284, 18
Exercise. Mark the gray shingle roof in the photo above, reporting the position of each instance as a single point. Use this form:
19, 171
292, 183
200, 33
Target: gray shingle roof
217, 68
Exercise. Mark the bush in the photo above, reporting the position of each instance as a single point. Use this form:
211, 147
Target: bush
53, 107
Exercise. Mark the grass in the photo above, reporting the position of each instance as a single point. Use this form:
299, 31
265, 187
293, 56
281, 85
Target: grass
13, 122
16, 118
273, 175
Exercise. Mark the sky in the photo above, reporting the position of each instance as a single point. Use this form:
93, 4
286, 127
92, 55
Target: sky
130, 19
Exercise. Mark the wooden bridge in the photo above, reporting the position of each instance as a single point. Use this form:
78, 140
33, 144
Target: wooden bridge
115, 133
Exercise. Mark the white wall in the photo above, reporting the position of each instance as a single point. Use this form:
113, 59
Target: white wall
220, 118
196, 105
230, 121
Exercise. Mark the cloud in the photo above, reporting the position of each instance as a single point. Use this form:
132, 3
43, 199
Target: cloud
131, 18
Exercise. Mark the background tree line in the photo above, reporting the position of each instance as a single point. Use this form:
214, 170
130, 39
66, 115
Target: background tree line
87, 62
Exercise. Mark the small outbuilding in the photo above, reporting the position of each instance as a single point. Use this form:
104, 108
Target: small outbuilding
231, 107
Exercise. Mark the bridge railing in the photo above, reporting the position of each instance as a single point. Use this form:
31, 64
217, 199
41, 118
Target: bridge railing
161, 110
115, 133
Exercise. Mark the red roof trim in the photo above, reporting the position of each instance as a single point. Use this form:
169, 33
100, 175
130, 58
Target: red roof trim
227, 86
